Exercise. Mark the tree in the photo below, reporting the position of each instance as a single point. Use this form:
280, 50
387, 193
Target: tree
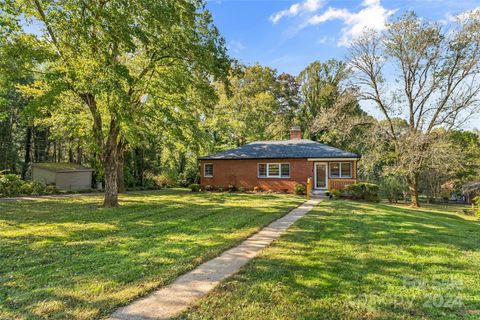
248, 108
124, 60
17, 61
468, 143
434, 85
320, 87
288, 98
329, 111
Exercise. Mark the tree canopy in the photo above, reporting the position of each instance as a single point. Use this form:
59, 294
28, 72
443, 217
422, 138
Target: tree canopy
139, 90
432, 81
126, 63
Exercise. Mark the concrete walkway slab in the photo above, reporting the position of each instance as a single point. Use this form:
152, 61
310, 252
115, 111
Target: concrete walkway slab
171, 300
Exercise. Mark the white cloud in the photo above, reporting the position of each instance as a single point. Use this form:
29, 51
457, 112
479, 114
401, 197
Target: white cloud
373, 16
461, 16
235, 46
296, 9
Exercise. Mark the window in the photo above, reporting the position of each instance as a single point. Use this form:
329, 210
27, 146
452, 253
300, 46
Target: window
346, 169
274, 170
262, 169
285, 172
340, 169
208, 170
334, 169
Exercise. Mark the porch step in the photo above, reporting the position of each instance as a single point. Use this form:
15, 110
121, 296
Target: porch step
319, 194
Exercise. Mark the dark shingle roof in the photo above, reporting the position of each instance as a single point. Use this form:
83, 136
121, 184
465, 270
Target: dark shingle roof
299, 148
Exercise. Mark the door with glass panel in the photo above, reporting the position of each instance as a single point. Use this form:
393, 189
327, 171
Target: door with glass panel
321, 178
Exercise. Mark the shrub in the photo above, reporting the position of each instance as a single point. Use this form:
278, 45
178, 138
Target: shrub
10, 184
362, 191
257, 189
476, 201
38, 188
241, 189
191, 174
148, 180
220, 188
300, 189
208, 188
51, 189
335, 193
391, 188
26, 188
194, 187
128, 178
231, 188
164, 180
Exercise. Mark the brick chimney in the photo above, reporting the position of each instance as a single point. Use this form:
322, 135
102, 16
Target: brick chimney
295, 133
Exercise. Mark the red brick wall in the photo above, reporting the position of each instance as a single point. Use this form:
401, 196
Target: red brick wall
243, 173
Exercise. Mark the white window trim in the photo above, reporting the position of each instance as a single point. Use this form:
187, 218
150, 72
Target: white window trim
340, 176
204, 172
279, 170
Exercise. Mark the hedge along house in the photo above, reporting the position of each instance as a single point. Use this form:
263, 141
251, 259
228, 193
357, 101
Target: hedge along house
279, 165
65, 176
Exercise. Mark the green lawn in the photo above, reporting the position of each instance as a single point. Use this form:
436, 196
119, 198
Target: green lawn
69, 258
350, 260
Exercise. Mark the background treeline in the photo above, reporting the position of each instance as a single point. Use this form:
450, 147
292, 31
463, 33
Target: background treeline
139, 96
256, 104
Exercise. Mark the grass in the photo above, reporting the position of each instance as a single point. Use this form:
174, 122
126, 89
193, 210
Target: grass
68, 258
351, 260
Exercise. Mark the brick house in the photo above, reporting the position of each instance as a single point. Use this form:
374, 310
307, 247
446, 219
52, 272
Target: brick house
279, 165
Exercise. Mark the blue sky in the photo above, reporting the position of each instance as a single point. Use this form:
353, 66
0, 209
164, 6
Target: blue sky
288, 35
288, 45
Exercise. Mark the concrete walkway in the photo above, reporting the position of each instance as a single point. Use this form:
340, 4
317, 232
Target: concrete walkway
171, 300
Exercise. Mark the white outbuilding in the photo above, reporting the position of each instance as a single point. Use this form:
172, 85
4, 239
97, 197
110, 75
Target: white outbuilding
65, 176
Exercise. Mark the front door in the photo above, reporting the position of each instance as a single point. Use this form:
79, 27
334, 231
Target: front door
321, 177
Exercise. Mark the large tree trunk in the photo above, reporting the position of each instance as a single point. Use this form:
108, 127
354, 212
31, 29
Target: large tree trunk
110, 161
111, 187
413, 187
109, 150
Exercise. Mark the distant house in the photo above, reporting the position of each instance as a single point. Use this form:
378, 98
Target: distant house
65, 176
279, 165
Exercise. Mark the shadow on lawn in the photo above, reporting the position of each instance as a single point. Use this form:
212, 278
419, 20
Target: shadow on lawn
88, 254
343, 251
393, 225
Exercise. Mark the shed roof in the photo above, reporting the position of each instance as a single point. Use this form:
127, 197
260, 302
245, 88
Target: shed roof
61, 167
282, 149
